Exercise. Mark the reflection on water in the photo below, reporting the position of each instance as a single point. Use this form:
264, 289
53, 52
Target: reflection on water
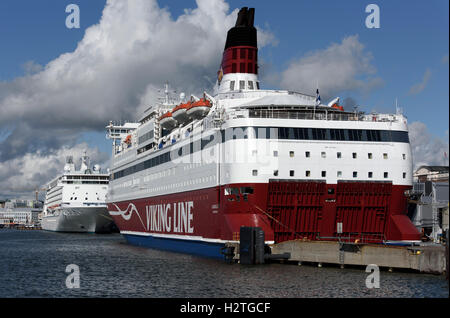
33, 263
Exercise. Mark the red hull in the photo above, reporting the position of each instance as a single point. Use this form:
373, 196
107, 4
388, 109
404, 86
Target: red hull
369, 212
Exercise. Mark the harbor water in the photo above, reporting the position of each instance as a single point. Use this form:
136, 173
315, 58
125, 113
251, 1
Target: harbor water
33, 264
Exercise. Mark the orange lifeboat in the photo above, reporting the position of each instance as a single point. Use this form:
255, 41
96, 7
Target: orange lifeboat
128, 140
199, 109
336, 106
167, 121
179, 113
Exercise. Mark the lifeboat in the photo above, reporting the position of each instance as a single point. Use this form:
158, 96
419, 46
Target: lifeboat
179, 113
128, 140
167, 121
336, 106
199, 109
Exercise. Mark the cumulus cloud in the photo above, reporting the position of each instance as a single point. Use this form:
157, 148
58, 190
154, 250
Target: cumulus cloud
341, 67
426, 149
113, 74
21, 176
31, 67
417, 88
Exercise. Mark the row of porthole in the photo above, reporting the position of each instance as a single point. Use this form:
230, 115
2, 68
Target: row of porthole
323, 154
324, 174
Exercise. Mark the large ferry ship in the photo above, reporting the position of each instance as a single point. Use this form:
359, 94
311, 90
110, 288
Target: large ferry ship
191, 172
75, 200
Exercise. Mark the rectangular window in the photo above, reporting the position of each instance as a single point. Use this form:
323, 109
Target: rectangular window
339, 174
339, 155
243, 53
354, 155
275, 153
385, 156
404, 156
241, 84
250, 85
324, 174
369, 155
250, 54
257, 83
386, 175
275, 173
291, 154
355, 174
323, 154
370, 175
255, 173
232, 86
404, 175
307, 173
307, 154
291, 173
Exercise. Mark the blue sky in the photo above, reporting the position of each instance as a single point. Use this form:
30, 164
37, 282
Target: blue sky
413, 37
408, 54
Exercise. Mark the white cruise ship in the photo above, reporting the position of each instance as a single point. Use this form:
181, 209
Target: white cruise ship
75, 200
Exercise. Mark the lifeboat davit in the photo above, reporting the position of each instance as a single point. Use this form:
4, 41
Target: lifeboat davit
167, 121
179, 113
199, 109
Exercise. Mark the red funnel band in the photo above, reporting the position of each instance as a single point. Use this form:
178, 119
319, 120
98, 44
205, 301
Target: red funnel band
240, 59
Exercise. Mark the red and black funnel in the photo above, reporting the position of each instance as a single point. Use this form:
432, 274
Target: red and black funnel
241, 49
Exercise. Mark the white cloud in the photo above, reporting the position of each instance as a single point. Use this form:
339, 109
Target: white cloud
341, 67
20, 176
31, 67
417, 88
113, 74
426, 149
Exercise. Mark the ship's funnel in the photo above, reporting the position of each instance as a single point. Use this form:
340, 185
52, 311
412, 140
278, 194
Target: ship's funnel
240, 55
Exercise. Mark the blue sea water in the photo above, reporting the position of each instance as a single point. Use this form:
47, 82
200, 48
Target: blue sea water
33, 264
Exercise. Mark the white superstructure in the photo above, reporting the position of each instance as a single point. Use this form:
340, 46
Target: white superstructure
75, 200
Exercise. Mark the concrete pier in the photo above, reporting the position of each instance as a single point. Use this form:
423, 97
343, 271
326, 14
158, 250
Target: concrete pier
426, 259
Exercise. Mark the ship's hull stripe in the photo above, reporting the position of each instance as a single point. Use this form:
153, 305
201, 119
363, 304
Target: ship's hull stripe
200, 248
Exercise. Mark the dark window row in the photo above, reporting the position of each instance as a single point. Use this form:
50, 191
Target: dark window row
316, 134
145, 137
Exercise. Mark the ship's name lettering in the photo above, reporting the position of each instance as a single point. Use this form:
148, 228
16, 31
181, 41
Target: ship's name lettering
177, 217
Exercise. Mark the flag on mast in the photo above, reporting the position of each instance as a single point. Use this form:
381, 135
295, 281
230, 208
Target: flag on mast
317, 98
